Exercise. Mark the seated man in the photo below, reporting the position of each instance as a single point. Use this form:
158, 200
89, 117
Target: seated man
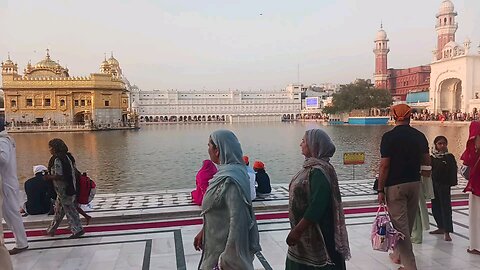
262, 179
39, 192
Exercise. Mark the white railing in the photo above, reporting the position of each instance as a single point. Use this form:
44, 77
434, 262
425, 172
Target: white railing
46, 128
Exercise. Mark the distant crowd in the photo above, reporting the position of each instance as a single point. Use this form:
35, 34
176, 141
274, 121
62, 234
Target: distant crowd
446, 116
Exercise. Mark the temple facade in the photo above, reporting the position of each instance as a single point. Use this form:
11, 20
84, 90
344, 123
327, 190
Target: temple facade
47, 93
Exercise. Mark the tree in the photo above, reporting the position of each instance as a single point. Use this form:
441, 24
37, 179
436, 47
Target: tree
359, 95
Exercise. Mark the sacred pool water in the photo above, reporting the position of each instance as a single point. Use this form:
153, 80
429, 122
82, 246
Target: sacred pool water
169, 156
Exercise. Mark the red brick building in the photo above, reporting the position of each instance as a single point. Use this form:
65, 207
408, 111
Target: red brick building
398, 81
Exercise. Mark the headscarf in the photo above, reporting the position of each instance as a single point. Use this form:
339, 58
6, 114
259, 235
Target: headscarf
470, 155
319, 144
401, 112
231, 162
321, 149
39, 169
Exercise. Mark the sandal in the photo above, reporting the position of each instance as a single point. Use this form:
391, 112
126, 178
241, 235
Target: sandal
77, 235
15, 250
473, 251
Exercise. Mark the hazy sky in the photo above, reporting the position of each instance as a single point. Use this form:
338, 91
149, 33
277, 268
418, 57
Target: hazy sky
222, 44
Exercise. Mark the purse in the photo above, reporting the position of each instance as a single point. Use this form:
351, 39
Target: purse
384, 236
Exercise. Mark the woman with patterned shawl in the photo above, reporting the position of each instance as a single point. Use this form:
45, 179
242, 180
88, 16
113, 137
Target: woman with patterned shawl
318, 239
229, 237
62, 172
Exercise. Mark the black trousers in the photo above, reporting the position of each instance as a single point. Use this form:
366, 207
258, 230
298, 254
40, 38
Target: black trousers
442, 207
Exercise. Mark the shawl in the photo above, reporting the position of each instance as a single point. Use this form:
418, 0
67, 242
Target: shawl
206, 173
68, 167
321, 149
438, 154
471, 157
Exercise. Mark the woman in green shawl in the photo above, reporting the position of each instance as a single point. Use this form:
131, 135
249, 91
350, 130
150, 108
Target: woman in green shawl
318, 239
229, 237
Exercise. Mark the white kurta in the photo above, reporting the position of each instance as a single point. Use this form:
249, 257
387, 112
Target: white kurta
474, 221
11, 205
5, 261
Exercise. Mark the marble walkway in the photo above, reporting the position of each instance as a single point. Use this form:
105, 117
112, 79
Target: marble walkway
155, 230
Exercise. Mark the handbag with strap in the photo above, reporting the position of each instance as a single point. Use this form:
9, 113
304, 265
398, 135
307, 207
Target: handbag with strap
384, 236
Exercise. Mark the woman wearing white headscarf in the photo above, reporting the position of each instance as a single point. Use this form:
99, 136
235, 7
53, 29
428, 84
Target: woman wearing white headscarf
229, 237
318, 239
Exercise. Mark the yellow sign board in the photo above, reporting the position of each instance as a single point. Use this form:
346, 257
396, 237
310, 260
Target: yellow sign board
354, 158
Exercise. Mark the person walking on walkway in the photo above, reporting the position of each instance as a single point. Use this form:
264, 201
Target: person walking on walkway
11, 190
62, 173
471, 158
318, 237
229, 237
444, 176
404, 153
5, 260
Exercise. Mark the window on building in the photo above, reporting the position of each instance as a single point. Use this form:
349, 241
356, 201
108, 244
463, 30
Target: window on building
75, 102
89, 102
62, 102
29, 102
13, 103
82, 102
46, 102
107, 103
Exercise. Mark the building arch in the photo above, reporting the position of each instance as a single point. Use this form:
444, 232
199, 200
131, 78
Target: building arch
450, 93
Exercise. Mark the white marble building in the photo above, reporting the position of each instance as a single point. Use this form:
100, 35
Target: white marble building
455, 70
225, 106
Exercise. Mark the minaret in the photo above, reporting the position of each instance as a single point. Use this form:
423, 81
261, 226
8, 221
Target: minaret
8, 67
446, 26
381, 51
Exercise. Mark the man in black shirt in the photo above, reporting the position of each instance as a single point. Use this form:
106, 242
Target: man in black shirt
404, 158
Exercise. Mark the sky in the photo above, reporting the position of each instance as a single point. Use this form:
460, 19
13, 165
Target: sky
225, 44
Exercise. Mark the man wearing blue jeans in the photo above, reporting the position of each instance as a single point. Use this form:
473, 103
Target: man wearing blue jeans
404, 153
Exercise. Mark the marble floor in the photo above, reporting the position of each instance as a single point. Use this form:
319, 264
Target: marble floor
172, 248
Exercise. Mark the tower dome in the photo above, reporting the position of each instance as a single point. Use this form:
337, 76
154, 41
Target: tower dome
446, 7
381, 35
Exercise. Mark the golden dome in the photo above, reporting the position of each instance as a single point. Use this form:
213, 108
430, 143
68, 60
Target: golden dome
47, 62
113, 61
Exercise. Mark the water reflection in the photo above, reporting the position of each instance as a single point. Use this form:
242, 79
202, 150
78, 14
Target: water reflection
168, 156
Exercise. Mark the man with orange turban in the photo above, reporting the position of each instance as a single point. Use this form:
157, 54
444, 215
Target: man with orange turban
262, 179
404, 153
